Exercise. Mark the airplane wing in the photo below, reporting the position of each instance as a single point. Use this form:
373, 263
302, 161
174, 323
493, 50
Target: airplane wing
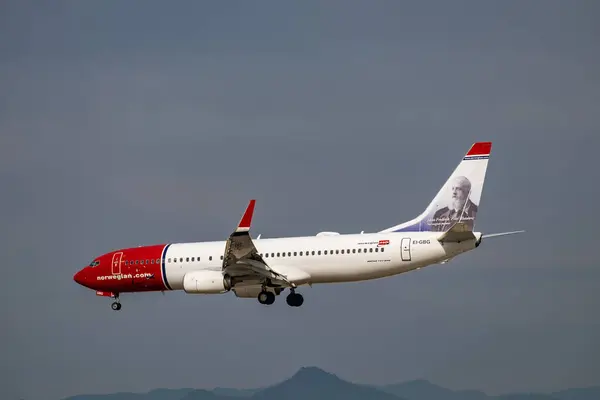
241, 258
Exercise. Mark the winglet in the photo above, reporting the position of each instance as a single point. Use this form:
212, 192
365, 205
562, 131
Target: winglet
246, 221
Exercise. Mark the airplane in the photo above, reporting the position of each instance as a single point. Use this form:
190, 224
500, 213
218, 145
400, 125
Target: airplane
264, 268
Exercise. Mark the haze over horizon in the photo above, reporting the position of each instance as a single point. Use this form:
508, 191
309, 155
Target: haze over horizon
134, 123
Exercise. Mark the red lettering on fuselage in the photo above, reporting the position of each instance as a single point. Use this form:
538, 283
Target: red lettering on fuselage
136, 269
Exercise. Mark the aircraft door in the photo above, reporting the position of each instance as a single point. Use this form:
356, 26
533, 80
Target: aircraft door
116, 263
405, 249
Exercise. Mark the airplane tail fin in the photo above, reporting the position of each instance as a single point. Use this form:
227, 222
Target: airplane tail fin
458, 200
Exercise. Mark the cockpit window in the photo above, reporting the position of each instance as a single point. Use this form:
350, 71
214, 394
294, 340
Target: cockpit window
94, 263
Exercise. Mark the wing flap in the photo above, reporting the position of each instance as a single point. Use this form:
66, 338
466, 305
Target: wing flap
241, 257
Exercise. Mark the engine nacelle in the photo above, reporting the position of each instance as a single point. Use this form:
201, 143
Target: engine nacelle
206, 282
253, 291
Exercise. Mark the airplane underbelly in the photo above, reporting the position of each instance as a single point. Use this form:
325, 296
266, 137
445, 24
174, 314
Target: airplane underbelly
348, 272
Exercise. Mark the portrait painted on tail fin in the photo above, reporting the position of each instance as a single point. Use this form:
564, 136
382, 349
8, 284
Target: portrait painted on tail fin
460, 207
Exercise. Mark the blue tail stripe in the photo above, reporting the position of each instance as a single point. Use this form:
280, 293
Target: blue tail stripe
411, 228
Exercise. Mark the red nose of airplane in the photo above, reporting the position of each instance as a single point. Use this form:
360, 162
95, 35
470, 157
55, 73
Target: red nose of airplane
79, 277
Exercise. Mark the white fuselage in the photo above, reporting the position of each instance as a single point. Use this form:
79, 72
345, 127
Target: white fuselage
327, 259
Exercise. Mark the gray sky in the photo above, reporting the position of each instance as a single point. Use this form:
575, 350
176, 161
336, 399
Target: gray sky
136, 123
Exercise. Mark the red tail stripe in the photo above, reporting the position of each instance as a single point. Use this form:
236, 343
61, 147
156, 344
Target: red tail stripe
480, 149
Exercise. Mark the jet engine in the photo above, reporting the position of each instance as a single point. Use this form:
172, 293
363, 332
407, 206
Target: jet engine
206, 282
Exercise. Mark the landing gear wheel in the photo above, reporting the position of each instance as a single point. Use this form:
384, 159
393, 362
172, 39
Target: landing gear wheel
294, 299
266, 297
116, 306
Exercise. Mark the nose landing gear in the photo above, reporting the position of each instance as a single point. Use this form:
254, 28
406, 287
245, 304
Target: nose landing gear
116, 305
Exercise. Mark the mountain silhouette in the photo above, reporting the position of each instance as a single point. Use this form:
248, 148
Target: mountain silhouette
421, 389
589, 393
313, 383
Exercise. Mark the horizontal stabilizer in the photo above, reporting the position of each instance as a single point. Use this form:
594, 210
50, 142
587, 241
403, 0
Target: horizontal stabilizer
459, 232
489, 235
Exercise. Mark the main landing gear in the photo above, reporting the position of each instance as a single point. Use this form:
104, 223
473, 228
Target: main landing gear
293, 299
265, 297
116, 306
